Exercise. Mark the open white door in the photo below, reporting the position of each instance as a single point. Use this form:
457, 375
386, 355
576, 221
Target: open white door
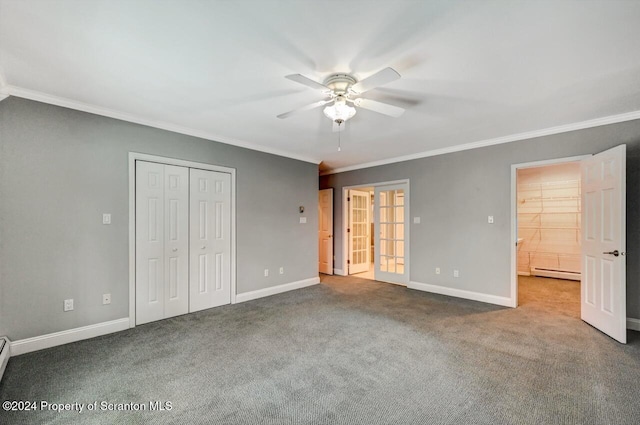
325, 231
603, 289
359, 231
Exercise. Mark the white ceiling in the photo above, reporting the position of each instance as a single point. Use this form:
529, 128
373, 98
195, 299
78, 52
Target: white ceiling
472, 71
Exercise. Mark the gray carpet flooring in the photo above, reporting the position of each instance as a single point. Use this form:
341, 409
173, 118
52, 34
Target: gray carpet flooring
347, 351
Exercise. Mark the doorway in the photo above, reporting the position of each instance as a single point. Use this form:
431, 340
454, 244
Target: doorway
592, 209
375, 231
325, 231
549, 235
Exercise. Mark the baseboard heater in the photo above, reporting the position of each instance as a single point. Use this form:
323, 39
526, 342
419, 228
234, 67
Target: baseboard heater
4, 354
557, 274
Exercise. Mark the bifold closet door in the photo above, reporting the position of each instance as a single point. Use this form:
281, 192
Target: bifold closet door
210, 241
162, 244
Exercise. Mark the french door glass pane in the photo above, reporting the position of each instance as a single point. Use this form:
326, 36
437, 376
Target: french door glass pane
391, 231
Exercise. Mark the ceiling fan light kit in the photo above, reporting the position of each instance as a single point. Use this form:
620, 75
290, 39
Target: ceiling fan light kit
339, 110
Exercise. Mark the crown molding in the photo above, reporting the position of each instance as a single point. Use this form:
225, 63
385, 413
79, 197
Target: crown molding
9, 90
612, 119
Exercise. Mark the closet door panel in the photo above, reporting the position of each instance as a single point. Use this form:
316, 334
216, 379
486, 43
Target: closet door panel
210, 242
176, 250
150, 235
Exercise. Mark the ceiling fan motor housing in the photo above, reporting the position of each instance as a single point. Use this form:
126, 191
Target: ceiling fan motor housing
339, 83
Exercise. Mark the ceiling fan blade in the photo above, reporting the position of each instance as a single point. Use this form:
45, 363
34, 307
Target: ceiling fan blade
379, 107
305, 108
299, 78
338, 128
378, 79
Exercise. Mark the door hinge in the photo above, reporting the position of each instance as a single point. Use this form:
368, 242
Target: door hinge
348, 199
348, 230
348, 261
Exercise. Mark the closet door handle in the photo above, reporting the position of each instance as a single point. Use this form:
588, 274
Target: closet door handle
174, 249
614, 253
203, 247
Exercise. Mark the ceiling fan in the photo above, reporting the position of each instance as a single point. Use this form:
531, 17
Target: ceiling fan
343, 91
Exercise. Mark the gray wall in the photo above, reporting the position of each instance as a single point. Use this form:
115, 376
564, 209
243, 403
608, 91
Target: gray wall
454, 193
61, 169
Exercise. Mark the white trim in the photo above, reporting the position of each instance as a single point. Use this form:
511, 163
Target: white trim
461, 293
514, 216
339, 272
4, 355
612, 119
267, 292
135, 156
28, 345
633, 324
345, 221
124, 116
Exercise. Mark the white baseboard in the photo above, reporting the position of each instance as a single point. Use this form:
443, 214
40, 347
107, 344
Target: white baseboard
28, 345
633, 324
260, 293
5, 353
461, 293
339, 272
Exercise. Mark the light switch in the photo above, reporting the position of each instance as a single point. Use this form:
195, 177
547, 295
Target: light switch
416, 220
303, 220
490, 219
106, 218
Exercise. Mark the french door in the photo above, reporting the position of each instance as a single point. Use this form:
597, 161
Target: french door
359, 231
391, 217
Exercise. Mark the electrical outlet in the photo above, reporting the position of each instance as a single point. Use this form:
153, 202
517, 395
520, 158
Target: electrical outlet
437, 270
416, 220
106, 299
456, 273
266, 272
490, 219
106, 218
303, 220
68, 305
281, 270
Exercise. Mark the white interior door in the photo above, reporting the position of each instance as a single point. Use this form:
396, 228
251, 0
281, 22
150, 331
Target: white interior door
391, 216
210, 242
603, 289
325, 231
359, 231
161, 241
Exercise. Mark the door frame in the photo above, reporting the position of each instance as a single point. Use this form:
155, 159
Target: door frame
136, 156
345, 223
513, 299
